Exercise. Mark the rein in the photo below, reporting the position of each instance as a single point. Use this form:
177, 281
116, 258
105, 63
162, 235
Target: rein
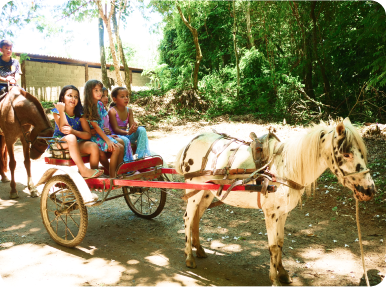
341, 173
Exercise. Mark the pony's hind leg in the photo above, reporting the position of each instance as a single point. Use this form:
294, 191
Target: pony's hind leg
206, 199
27, 163
189, 217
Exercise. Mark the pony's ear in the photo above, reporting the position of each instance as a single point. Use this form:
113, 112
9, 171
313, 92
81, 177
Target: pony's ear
347, 121
253, 136
340, 129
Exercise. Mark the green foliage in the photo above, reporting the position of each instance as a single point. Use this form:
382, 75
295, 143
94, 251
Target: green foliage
308, 60
47, 105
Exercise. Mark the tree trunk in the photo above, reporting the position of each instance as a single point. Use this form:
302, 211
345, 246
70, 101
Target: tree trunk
235, 47
198, 49
249, 33
326, 82
308, 87
122, 55
105, 79
107, 21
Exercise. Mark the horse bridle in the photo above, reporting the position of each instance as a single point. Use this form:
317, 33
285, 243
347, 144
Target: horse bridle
32, 142
340, 171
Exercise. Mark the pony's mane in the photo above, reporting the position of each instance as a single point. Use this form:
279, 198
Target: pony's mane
301, 154
36, 102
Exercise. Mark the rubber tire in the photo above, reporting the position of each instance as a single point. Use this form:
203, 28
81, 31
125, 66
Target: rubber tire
161, 202
83, 222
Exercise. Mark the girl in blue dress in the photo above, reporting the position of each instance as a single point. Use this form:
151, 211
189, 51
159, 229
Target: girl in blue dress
72, 128
93, 112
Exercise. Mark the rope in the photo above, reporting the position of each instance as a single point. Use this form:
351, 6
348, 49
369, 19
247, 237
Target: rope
360, 242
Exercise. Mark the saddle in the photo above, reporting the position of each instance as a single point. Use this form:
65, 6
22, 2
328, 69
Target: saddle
260, 154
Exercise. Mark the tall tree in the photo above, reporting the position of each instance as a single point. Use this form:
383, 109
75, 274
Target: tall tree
235, 47
107, 16
102, 53
121, 53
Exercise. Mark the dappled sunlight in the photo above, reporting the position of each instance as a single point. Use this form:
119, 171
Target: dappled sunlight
158, 260
7, 203
57, 264
16, 227
318, 259
233, 248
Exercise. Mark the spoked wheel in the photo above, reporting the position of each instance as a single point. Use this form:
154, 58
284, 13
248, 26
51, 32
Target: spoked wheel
146, 202
63, 211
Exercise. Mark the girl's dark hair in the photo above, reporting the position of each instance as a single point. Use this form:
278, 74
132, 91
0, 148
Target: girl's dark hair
114, 94
104, 90
78, 111
90, 109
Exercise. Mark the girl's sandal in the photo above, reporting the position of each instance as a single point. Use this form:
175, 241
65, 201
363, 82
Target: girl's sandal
96, 174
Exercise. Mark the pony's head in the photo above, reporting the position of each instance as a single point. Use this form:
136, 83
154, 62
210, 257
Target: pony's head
346, 157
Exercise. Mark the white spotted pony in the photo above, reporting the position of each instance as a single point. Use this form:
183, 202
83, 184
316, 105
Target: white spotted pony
302, 159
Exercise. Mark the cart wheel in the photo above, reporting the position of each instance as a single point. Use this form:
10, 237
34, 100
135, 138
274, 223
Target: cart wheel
146, 202
63, 211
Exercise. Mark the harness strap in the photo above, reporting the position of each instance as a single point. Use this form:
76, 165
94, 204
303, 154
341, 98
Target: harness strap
205, 158
220, 152
186, 150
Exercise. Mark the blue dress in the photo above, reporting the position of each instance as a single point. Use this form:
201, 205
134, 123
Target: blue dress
97, 138
73, 121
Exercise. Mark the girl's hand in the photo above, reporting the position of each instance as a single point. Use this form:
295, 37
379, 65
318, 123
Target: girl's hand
111, 146
107, 131
93, 132
66, 130
133, 128
60, 106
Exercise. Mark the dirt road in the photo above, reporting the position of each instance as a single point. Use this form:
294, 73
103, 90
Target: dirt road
122, 249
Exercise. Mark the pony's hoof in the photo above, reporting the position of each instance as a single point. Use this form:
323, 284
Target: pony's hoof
200, 253
13, 195
190, 262
5, 179
285, 279
34, 193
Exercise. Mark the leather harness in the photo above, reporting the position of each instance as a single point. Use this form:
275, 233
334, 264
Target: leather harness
261, 172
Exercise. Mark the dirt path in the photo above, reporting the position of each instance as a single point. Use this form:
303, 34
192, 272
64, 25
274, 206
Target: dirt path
122, 249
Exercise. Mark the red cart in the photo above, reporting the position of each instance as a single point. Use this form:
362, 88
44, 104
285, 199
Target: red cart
66, 195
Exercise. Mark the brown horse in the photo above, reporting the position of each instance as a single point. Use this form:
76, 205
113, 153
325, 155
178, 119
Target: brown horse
22, 116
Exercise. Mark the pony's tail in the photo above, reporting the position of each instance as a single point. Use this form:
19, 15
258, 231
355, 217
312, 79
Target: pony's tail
177, 163
3, 154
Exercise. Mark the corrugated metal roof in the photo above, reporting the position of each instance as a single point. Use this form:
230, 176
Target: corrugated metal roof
63, 60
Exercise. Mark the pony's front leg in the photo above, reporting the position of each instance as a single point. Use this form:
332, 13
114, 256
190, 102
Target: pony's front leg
274, 243
190, 214
206, 200
27, 163
12, 165
283, 274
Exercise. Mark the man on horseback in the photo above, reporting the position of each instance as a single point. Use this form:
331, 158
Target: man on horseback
9, 68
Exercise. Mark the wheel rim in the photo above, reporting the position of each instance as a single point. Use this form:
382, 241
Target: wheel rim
64, 214
144, 200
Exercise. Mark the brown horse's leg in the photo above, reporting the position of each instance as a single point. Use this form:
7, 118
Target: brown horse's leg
12, 166
3, 159
283, 274
275, 246
27, 164
203, 205
189, 216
